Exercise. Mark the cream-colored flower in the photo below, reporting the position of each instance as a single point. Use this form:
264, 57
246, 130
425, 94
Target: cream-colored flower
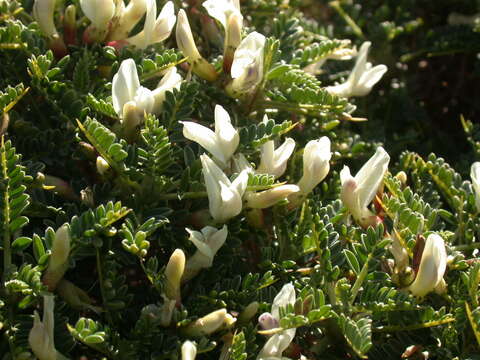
362, 78
274, 161
224, 197
247, 66
475, 176
316, 164
277, 343
155, 31
41, 338
222, 143
359, 191
432, 268
208, 241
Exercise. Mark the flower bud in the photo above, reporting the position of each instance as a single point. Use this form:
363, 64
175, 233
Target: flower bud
399, 253
248, 313
70, 25
173, 275
186, 44
58, 262
267, 198
207, 324
102, 165
432, 268
316, 164
43, 11
189, 350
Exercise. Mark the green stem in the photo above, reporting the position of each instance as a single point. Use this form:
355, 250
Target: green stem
466, 247
7, 251
414, 326
356, 29
360, 279
186, 195
102, 285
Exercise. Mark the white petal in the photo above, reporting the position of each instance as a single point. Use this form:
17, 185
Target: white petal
199, 241
100, 12
189, 350
249, 50
165, 23
227, 136
360, 64
475, 175
184, 36
125, 84
265, 199
241, 181
205, 137
144, 99
432, 266
220, 10
43, 11
371, 175
171, 80
372, 76
286, 296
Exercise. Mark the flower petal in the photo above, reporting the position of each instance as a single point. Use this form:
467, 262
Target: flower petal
125, 84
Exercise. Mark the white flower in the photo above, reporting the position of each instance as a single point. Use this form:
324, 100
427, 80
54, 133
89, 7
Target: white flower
279, 342
99, 12
475, 175
41, 338
316, 163
274, 161
227, 12
247, 66
267, 198
43, 13
189, 350
359, 191
224, 197
222, 143
155, 31
208, 241
221, 10
432, 267
362, 78
125, 18
171, 80
339, 54
126, 89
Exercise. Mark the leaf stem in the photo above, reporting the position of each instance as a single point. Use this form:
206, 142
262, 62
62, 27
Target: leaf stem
360, 279
7, 251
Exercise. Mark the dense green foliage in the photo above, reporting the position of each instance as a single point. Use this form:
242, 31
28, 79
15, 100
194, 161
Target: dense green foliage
128, 217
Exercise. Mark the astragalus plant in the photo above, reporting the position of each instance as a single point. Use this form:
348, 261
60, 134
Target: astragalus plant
177, 183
